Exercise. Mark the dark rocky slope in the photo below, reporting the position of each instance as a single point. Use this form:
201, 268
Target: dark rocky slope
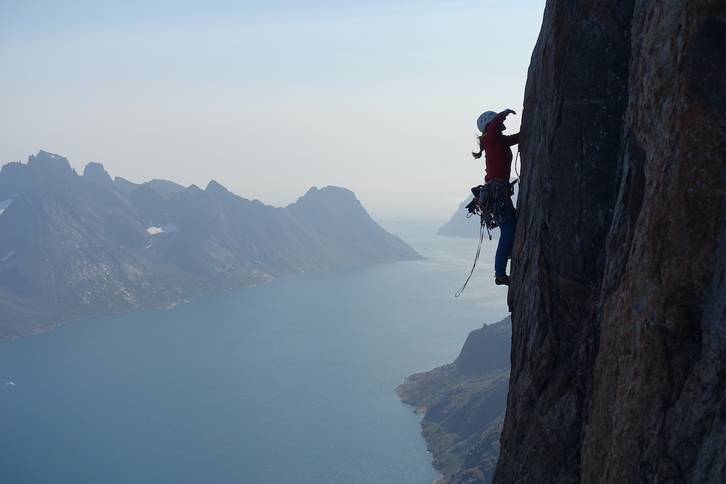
463, 405
74, 246
618, 289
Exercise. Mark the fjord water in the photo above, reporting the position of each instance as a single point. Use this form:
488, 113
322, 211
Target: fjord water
288, 382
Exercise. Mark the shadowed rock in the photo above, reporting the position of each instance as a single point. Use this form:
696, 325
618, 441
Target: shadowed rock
618, 270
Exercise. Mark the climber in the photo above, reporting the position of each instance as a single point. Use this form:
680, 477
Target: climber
496, 147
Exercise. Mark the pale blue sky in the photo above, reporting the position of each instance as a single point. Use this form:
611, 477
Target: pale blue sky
268, 98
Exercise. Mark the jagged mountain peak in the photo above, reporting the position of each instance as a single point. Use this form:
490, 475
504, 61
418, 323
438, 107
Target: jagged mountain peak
96, 173
51, 162
157, 183
328, 191
71, 248
45, 156
214, 188
44, 169
328, 197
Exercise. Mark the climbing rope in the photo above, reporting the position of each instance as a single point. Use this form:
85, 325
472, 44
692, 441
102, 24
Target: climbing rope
482, 227
488, 203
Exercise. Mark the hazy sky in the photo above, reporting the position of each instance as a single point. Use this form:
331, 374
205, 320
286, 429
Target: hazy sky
268, 97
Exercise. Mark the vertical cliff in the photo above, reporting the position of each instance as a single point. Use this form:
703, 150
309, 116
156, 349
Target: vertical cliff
618, 295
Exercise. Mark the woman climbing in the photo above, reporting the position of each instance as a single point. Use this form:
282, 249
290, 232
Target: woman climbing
496, 195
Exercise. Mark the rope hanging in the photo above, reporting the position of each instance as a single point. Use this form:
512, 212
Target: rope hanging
476, 258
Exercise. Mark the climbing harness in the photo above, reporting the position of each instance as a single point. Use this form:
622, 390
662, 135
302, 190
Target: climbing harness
488, 202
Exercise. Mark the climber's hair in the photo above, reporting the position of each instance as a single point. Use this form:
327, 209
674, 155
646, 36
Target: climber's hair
479, 138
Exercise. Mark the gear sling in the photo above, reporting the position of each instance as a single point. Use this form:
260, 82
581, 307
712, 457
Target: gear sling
488, 203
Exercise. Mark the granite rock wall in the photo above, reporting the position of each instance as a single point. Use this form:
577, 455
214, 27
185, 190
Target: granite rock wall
618, 297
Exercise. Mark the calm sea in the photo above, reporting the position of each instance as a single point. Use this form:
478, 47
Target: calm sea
289, 382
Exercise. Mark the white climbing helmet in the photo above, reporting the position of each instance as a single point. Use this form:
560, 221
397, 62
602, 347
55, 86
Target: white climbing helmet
485, 119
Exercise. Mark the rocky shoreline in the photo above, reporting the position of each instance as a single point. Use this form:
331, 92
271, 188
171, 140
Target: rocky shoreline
463, 404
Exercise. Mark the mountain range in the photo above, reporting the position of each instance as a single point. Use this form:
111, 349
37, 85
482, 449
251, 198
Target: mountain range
73, 246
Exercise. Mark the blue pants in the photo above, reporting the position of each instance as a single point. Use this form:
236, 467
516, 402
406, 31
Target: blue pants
506, 238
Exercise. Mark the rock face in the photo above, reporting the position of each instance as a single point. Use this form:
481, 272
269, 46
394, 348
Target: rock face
618, 289
73, 246
464, 404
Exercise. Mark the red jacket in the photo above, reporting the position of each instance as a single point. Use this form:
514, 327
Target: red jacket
496, 148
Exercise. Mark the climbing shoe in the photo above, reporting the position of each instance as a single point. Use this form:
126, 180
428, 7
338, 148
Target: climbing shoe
501, 281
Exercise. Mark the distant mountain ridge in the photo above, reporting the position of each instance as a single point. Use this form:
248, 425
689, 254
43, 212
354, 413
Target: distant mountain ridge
74, 246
